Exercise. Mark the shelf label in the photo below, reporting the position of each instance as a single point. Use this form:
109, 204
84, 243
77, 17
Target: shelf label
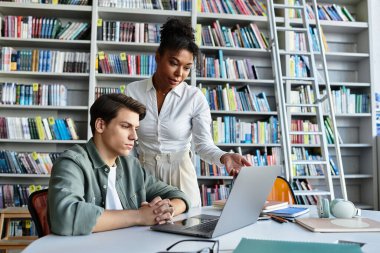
34, 156
35, 87
123, 56
122, 88
100, 22
32, 188
28, 223
51, 120
101, 55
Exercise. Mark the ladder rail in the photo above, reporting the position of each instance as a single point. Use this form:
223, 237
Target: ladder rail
280, 89
331, 105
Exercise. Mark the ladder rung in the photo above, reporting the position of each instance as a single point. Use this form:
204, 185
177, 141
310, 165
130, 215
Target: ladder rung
305, 133
301, 105
292, 29
287, 6
307, 162
288, 78
295, 53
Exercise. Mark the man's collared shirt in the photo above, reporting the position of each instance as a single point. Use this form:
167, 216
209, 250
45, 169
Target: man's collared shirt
78, 188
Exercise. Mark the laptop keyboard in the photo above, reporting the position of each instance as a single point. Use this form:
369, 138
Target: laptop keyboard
205, 227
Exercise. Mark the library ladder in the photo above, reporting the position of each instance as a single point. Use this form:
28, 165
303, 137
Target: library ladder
286, 106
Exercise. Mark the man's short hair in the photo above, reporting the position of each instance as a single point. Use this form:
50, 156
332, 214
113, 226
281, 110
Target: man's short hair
107, 106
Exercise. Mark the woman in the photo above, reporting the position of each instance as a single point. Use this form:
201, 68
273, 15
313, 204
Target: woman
176, 114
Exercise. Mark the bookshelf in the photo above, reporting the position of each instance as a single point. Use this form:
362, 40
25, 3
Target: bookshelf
77, 86
350, 61
17, 228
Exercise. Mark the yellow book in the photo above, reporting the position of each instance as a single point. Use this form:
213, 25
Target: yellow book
231, 100
40, 128
199, 6
198, 34
72, 128
215, 131
326, 47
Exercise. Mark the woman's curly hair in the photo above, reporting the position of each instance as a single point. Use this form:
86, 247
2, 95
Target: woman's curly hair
176, 35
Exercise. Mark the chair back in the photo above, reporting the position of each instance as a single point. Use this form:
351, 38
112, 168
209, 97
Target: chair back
37, 205
282, 191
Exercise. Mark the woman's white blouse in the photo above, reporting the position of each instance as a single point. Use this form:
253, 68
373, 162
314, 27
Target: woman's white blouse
185, 114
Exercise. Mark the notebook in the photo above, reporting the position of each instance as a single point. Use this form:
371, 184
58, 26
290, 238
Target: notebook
290, 211
268, 206
272, 246
243, 207
358, 224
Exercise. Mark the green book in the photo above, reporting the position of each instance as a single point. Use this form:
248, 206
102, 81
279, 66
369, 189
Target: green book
271, 246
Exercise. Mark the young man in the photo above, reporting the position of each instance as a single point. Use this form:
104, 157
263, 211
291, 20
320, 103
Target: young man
98, 187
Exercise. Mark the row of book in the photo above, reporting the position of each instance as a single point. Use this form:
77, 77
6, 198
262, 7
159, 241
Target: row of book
220, 67
235, 99
221, 36
37, 128
329, 133
216, 192
302, 154
313, 139
123, 31
304, 185
298, 41
27, 163
122, 63
21, 227
333, 12
33, 94
299, 66
228, 129
68, 2
244, 7
174, 5
302, 94
304, 126
263, 157
344, 100
26, 27
108, 90
16, 195
268, 157
203, 168
37, 60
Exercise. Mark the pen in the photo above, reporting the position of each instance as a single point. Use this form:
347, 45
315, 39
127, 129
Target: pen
278, 219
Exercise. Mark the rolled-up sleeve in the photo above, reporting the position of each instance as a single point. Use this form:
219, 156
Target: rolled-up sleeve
201, 122
69, 213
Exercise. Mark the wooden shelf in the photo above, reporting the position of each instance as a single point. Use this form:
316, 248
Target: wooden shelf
13, 242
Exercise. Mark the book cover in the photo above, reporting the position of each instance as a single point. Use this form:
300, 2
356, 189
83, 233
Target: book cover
290, 211
272, 246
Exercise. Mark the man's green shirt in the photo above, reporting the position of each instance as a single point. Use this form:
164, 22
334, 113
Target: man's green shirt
78, 188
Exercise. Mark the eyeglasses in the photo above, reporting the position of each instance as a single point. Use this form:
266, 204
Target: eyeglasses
213, 249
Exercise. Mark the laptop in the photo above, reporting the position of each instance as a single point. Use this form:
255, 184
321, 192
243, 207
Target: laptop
247, 197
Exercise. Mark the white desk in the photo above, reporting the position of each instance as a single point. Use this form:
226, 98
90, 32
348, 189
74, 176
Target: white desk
142, 239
